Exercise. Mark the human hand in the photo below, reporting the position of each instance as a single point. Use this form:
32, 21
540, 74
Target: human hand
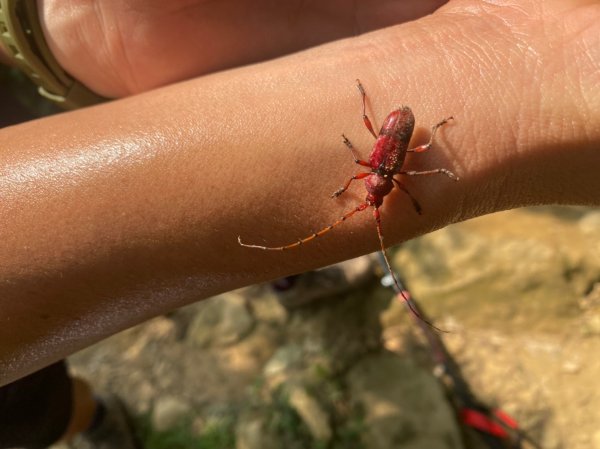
118, 48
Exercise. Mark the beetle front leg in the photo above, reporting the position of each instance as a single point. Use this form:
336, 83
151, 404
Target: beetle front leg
341, 190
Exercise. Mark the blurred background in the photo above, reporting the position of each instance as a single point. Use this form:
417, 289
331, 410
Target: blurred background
334, 360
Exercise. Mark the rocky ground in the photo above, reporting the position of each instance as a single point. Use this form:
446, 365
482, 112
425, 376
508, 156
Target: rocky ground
519, 292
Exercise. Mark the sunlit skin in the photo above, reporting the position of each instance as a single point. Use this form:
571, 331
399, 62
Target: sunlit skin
117, 213
386, 160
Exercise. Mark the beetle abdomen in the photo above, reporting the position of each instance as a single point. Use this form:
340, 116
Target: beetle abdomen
390, 148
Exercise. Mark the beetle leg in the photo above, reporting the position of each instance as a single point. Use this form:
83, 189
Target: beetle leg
341, 190
415, 203
427, 146
353, 151
446, 172
368, 123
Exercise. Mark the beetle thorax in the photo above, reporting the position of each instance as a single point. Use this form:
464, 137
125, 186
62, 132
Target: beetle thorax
377, 187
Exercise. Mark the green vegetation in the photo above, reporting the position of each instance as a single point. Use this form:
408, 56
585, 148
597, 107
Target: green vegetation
217, 434
287, 424
349, 434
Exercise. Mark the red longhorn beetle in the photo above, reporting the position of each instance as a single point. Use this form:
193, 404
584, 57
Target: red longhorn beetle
386, 160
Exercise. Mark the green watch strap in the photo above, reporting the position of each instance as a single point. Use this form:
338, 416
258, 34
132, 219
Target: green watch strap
22, 36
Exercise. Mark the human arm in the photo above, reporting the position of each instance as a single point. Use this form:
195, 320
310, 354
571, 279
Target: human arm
120, 212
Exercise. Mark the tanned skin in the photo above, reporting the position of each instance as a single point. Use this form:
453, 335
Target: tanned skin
120, 212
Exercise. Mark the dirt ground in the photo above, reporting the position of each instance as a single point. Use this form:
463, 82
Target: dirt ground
519, 292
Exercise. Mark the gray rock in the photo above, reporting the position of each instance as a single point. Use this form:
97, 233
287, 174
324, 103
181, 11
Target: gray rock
220, 321
283, 360
169, 411
402, 403
314, 416
266, 307
589, 224
252, 432
497, 268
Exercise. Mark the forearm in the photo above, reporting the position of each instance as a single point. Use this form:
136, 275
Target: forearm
114, 214
120, 212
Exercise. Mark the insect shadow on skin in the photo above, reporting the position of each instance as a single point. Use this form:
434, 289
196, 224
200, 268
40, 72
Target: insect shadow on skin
386, 160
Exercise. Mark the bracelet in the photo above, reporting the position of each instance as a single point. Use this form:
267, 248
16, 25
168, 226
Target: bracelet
22, 36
